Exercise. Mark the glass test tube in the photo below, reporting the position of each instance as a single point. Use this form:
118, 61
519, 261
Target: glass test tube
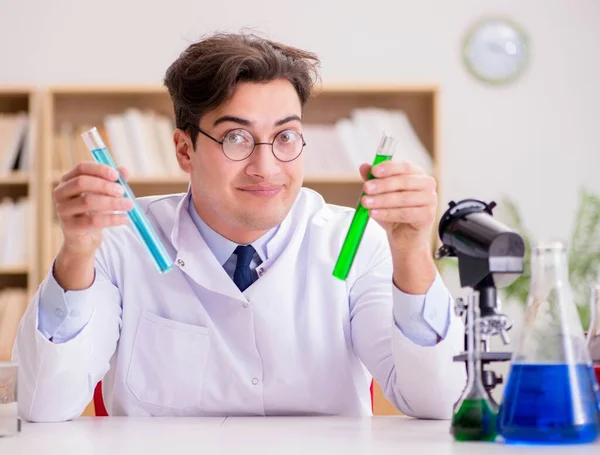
385, 152
140, 223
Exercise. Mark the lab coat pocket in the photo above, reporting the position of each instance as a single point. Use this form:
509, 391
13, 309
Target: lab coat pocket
168, 362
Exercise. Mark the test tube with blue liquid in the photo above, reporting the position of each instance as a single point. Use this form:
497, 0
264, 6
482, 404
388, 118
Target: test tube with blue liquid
550, 396
139, 222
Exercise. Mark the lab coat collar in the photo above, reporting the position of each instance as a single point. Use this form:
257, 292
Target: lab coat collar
221, 246
194, 257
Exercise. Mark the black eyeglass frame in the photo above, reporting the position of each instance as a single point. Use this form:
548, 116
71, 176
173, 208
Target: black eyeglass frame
255, 143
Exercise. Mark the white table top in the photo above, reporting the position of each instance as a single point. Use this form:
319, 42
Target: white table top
256, 435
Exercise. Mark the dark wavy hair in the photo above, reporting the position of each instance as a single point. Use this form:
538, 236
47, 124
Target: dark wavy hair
206, 74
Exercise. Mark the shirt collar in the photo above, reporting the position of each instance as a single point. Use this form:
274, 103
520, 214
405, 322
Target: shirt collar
222, 247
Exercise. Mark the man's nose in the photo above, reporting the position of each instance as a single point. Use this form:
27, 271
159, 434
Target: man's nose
263, 162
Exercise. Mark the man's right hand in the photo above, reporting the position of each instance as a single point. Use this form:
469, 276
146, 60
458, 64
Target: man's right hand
85, 201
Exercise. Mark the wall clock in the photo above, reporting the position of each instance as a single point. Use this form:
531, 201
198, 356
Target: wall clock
496, 51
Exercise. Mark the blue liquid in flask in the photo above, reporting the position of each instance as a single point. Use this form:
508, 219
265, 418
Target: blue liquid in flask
549, 404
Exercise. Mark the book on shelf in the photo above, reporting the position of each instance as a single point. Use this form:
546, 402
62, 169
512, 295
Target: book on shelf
340, 148
14, 232
142, 141
13, 302
15, 146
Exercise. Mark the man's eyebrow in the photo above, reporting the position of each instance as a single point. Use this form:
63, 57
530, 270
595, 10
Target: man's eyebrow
245, 122
232, 118
289, 118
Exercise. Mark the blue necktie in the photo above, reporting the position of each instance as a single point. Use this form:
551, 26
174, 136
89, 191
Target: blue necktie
242, 276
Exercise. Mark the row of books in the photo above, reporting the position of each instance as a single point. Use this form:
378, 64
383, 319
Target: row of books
142, 141
15, 225
13, 303
340, 148
15, 148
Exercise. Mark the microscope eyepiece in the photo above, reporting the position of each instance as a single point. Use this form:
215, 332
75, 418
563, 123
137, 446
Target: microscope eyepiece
486, 248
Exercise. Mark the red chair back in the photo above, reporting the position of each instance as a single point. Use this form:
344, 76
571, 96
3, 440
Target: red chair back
99, 407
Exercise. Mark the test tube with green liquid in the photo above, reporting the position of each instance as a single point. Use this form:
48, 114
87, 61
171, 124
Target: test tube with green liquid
385, 152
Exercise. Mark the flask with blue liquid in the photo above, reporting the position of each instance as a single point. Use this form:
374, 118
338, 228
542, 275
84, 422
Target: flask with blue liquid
550, 396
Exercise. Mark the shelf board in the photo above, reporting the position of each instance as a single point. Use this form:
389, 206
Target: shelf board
14, 178
125, 89
361, 88
13, 270
15, 90
179, 180
331, 179
158, 180
332, 87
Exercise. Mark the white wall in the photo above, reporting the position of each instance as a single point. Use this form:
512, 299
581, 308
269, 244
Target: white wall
534, 140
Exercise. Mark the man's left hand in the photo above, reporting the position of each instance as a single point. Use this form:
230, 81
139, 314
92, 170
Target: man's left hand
403, 200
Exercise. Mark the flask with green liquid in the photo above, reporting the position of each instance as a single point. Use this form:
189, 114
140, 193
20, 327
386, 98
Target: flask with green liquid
474, 417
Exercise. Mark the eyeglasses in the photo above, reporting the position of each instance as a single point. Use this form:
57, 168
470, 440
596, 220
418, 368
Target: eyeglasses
238, 144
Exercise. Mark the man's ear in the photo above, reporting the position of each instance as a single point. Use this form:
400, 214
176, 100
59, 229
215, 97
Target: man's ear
183, 150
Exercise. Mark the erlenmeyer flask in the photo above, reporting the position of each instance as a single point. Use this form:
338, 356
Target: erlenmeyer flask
593, 336
593, 339
549, 396
474, 417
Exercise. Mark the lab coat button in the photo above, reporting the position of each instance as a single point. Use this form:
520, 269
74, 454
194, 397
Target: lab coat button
58, 313
245, 304
180, 262
261, 272
254, 381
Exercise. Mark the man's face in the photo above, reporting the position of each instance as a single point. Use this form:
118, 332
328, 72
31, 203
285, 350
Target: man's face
243, 199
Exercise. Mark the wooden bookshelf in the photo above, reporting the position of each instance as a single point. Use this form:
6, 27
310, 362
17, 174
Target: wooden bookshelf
19, 184
14, 186
88, 105
15, 179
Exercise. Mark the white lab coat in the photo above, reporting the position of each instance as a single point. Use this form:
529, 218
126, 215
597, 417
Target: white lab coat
297, 341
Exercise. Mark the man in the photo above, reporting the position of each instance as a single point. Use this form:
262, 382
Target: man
251, 320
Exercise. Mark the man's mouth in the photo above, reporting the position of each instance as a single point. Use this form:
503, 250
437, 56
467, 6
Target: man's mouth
262, 190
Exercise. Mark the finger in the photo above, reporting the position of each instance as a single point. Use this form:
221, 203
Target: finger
364, 171
91, 168
90, 202
124, 172
406, 215
86, 184
400, 199
390, 167
409, 182
95, 221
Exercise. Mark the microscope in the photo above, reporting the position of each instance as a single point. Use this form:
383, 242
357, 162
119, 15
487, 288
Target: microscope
490, 256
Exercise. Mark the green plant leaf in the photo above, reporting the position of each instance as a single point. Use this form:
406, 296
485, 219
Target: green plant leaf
518, 289
584, 252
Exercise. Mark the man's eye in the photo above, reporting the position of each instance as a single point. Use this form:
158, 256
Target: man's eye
233, 138
287, 137
237, 137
